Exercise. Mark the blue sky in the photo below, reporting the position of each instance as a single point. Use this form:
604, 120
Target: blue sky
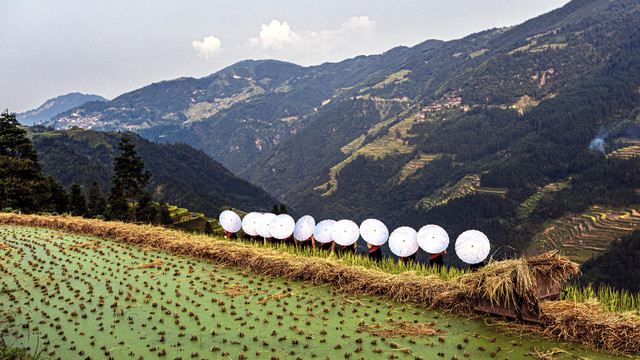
109, 47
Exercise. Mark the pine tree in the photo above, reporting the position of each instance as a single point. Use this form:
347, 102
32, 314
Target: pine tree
23, 186
129, 179
97, 203
117, 206
77, 201
14, 142
283, 209
165, 214
146, 210
58, 197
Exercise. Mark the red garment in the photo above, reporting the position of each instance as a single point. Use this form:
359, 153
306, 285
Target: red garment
433, 256
374, 248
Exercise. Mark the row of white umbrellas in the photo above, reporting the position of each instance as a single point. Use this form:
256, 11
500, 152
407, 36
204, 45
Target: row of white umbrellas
472, 246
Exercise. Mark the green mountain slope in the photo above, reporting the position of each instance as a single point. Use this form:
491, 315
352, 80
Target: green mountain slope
235, 114
182, 175
498, 74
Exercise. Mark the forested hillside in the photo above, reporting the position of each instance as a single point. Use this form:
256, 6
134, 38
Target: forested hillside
181, 175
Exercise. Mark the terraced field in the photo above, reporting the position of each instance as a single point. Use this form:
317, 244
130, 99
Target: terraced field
467, 185
528, 205
79, 297
414, 165
583, 236
627, 151
392, 143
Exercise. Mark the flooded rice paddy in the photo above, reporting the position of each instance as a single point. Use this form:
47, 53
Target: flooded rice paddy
77, 297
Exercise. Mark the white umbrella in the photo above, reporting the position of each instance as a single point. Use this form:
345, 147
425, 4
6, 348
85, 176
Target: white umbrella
282, 226
433, 239
250, 223
264, 224
374, 232
345, 232
304, 228
322, 231
230, 221
472, 246
403, 241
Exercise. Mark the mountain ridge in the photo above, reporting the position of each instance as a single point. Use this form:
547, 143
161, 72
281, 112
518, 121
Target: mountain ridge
55, 106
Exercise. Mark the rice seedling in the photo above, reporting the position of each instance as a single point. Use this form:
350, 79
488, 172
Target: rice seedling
608, 298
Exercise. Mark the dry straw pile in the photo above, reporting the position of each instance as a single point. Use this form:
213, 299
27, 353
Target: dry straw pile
502, 282
401, 328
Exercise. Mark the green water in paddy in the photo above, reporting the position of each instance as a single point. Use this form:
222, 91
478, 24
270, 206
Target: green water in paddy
92, 301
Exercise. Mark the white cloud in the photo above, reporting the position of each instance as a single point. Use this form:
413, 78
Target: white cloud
275, 35
208, 46
348, 33
356, 23
278, 35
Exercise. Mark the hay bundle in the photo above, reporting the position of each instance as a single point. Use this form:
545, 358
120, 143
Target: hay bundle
589, 324
512, 282
553, 267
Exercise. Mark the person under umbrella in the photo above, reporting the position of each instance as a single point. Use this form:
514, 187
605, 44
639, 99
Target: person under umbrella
375, 233
345, 233
473, 247
434, 240
250, 225
263, 226
230, 222
281, 228
404, 244
303, 231
322, 234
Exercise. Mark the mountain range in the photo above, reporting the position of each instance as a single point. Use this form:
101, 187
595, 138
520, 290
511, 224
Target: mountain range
56, 106
491, 131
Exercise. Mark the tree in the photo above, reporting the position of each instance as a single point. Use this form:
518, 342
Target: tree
14, 142
208, 228
23, 186
147, 209
58, 197
117, 206
129, 179
165, 214
77, 201
97, 203
279, 210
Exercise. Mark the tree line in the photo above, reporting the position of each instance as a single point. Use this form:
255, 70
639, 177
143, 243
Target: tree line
25, 188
